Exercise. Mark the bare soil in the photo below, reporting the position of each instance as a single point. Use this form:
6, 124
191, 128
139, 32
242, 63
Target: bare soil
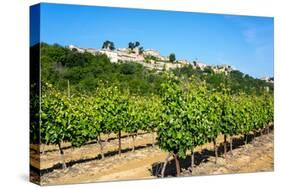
85, 165
257, 156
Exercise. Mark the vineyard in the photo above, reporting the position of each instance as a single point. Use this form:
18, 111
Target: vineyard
182, 118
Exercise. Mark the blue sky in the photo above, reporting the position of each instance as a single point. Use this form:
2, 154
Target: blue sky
245, 42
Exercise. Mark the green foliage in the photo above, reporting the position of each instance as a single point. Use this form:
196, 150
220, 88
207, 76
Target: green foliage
230, 120
85, 71
236, 81
128, 68
172, 57
214, 114
148, 58
187, 109
184, 116
194, 116
112, 108
34, 115
152, 115
171, 132
208, 70
63, 118
108, 45
132, 45
135, 116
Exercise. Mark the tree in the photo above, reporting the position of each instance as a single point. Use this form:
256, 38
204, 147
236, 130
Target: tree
112, 46
108, 45
128, 68
105, 44
194, 63
74, 50
141, 50
208, 69
131, 45
137, 43
172, 57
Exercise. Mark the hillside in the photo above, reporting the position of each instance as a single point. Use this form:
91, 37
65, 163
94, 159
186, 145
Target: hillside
85, 70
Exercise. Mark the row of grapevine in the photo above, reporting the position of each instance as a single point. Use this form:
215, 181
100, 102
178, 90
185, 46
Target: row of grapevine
184, 117
195, 115
80, 119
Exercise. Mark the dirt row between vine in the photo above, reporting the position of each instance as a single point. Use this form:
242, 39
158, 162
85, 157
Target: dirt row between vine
146, 162
86, 152
257, 156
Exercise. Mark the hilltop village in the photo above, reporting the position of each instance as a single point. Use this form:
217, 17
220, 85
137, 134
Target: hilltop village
149, 58
136, 69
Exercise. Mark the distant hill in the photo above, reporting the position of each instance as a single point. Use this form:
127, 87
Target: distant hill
85, 70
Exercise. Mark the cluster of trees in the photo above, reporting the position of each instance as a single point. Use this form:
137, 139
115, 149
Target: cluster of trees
194, 115
108, 45
131, 45
84, 71
134, 45
236, 81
